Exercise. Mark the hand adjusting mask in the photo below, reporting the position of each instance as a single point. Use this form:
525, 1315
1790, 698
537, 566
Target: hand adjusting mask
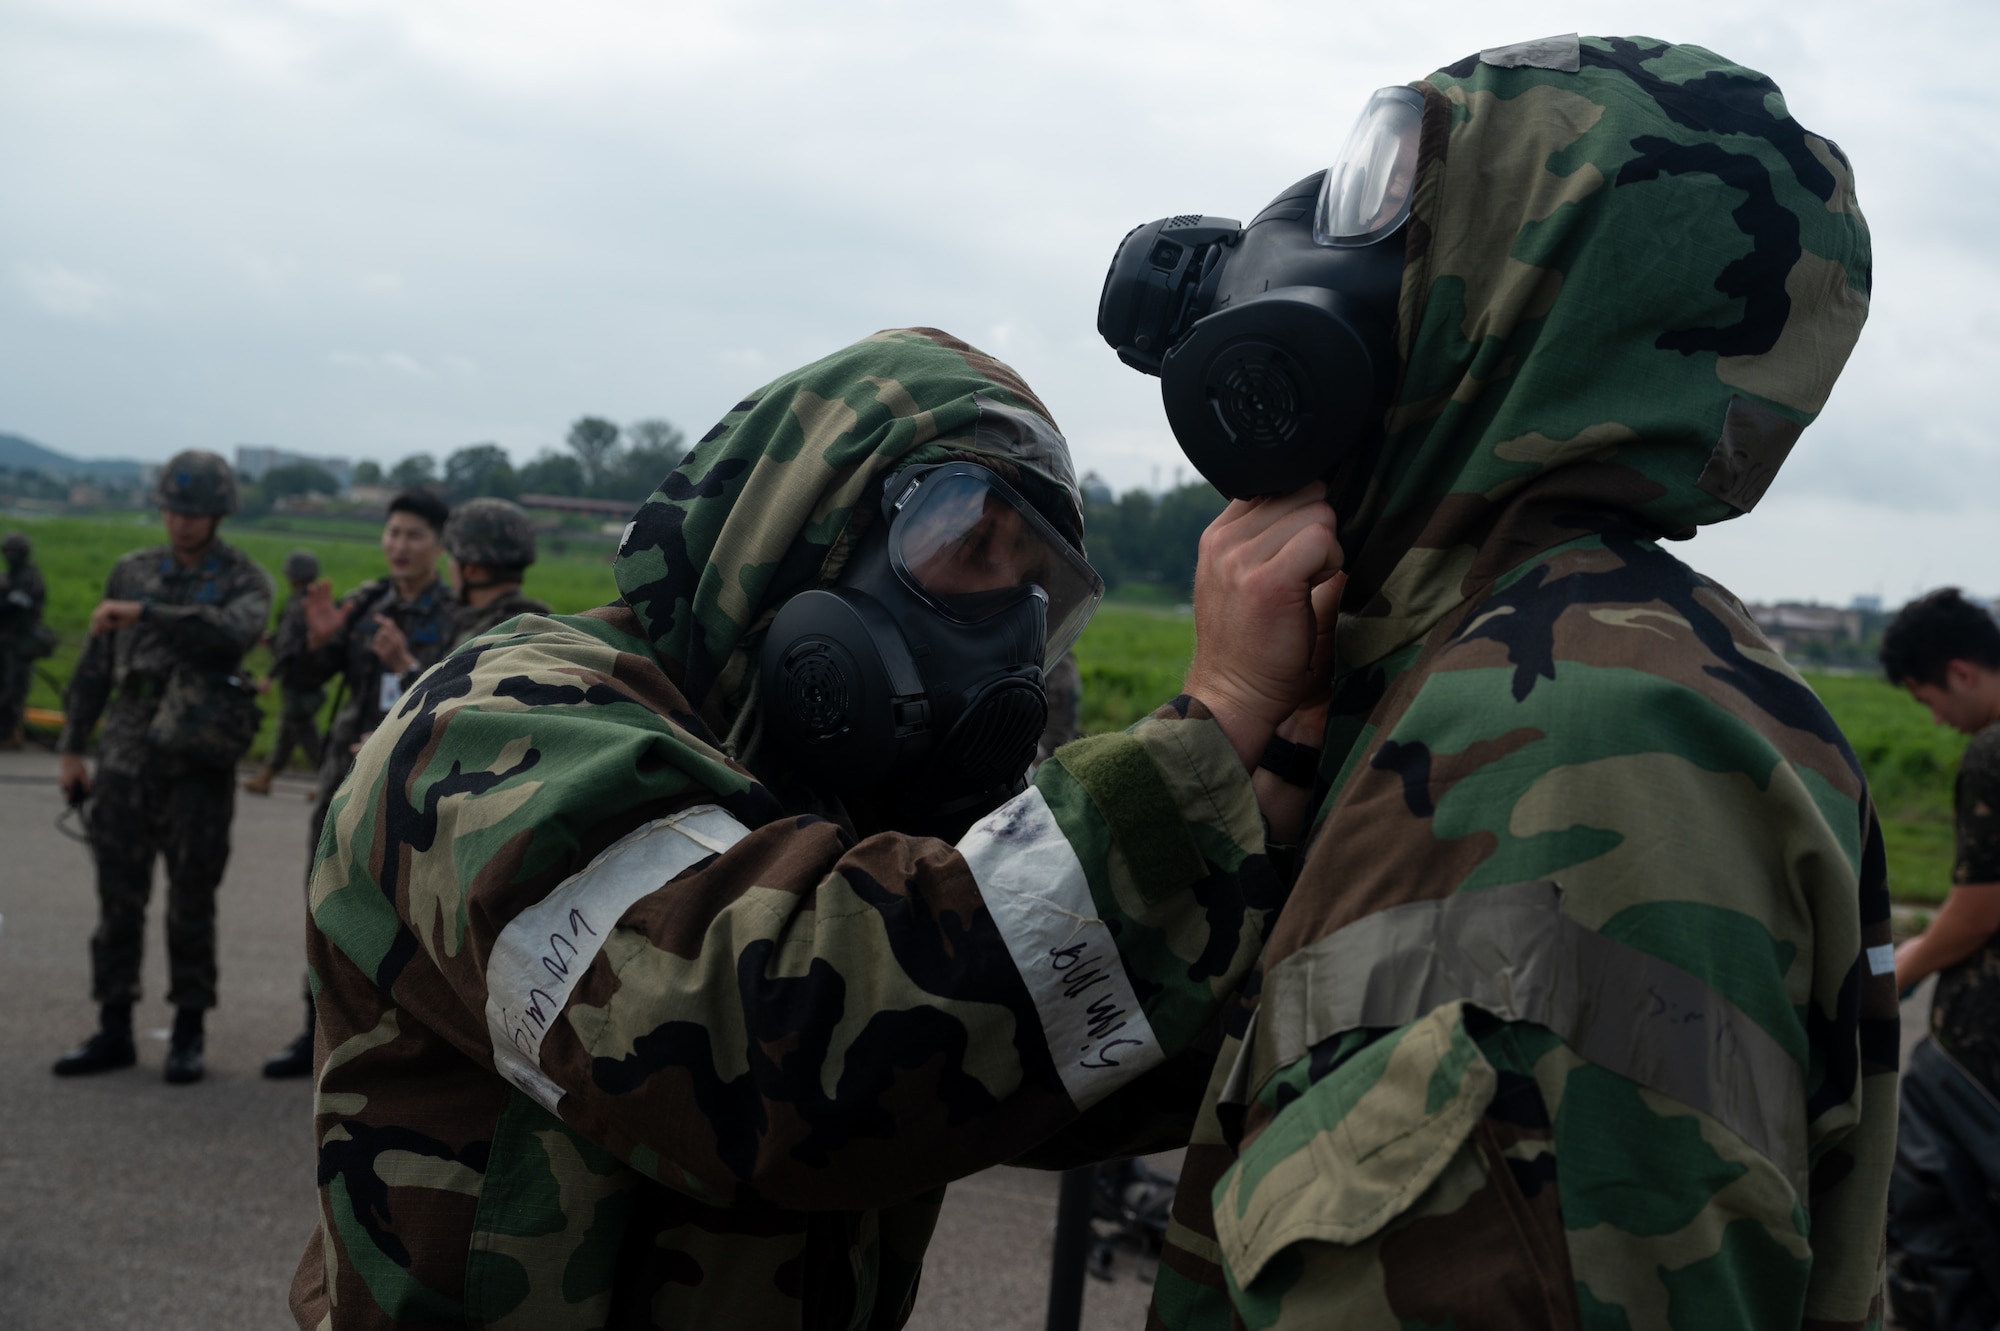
1275, 342
922, 670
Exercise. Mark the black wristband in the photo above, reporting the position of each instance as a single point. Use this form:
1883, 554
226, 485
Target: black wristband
1293, 764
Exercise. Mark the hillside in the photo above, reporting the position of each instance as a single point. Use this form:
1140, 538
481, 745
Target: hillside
18, 454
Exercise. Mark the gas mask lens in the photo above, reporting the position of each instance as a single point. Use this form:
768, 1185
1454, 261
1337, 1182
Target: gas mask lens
963, 540
1367, 192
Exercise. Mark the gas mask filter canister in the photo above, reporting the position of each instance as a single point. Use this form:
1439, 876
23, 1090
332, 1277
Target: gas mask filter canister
922, 670
1275, 342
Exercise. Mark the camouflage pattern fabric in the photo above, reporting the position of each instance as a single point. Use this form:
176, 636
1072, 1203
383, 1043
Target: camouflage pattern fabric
298, 707
180, 813
1065, 723
1965, 1013
1581, 1012
22, 596
616, 1029
200, 619
469, 622
146, 803
494, 533
426, 622
197, 482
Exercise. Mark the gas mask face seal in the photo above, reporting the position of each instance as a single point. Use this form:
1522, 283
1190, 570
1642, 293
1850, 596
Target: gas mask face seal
1275, 342
921, 671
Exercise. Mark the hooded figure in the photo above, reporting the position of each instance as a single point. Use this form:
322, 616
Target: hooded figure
617, 1030
1580, 1012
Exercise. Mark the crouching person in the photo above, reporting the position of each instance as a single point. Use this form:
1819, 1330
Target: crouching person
669, 959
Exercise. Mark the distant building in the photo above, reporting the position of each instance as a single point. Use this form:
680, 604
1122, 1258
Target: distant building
253, 462
1867, 605
1793, 628
1096, 490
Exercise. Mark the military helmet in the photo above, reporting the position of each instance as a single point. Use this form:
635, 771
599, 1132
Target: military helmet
301, 566
196, 482
492, 532
16, 545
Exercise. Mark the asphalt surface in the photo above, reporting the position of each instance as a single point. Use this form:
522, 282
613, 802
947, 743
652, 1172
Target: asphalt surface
125, 1202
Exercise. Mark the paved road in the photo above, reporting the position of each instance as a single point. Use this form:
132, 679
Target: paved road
125, 1202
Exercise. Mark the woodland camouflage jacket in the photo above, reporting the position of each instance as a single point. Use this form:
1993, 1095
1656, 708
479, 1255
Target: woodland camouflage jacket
613, 1033
201, 618
1581, 1010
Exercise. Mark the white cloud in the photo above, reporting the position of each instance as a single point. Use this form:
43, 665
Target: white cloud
65, 292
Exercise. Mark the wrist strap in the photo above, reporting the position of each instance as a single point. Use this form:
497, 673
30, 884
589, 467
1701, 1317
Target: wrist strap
1293, 764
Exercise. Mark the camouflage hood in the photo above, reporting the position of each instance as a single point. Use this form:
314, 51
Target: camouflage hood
1632, 279
766, 505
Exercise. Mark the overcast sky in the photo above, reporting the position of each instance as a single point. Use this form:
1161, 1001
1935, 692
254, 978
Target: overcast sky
373, 227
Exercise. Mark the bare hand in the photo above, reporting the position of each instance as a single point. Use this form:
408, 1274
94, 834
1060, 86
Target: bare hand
391, 648
264, 684
110, 616
324, 619
73, 777
1257, 636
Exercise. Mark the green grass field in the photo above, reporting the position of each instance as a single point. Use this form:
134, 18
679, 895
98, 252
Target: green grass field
1132, 658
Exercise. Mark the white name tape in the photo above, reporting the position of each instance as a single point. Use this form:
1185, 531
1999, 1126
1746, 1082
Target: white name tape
1882, 959
1035, 887
542, 954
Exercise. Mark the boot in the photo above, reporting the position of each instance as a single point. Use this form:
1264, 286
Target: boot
111, 1046
184, 1051
260, 784
296, 1058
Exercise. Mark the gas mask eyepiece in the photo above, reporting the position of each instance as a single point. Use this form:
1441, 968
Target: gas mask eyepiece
922, 669
1275, 342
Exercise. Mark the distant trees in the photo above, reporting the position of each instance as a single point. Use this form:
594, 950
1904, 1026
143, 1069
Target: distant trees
297, 478
478, 470
599, 460
1141, 540
413, 471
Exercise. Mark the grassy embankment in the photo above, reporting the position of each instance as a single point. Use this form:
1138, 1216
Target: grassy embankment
1132, 659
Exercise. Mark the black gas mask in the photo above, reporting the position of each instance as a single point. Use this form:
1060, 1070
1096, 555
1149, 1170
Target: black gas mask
920, 675
1275, 342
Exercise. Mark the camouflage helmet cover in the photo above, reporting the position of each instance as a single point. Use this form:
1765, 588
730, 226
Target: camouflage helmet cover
494, 532
196, 482
16, 545
301, 566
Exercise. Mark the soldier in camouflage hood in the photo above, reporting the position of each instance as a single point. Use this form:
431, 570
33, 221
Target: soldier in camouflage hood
622, 1025
1580, 1012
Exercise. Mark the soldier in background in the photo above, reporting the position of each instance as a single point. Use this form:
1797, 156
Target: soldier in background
161, 669
490, 544
408, 611
298, 707
22, 596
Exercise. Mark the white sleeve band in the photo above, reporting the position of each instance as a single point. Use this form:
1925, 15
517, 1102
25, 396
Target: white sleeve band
542, 954
1882, 959
1034, 886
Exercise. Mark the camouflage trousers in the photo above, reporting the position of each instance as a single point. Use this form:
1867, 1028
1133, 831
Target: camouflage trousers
180, 814
17, 672
336, 763
298, 728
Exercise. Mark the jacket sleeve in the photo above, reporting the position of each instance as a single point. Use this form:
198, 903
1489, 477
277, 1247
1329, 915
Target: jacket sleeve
90, 682
223, 631
783, 1014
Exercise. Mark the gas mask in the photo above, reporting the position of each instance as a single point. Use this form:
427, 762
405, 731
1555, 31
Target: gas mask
920, 674
1275, 342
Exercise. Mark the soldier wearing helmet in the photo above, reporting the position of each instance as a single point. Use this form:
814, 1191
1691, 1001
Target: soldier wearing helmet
299, 696
162, 671
490, 543
22, 595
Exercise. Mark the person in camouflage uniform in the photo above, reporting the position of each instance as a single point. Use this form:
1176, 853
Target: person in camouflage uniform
489, 543
298, 708
1580, 1012
22, 596
161, 671
1065, 723
407, 614
1944, 1220
621, 1026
